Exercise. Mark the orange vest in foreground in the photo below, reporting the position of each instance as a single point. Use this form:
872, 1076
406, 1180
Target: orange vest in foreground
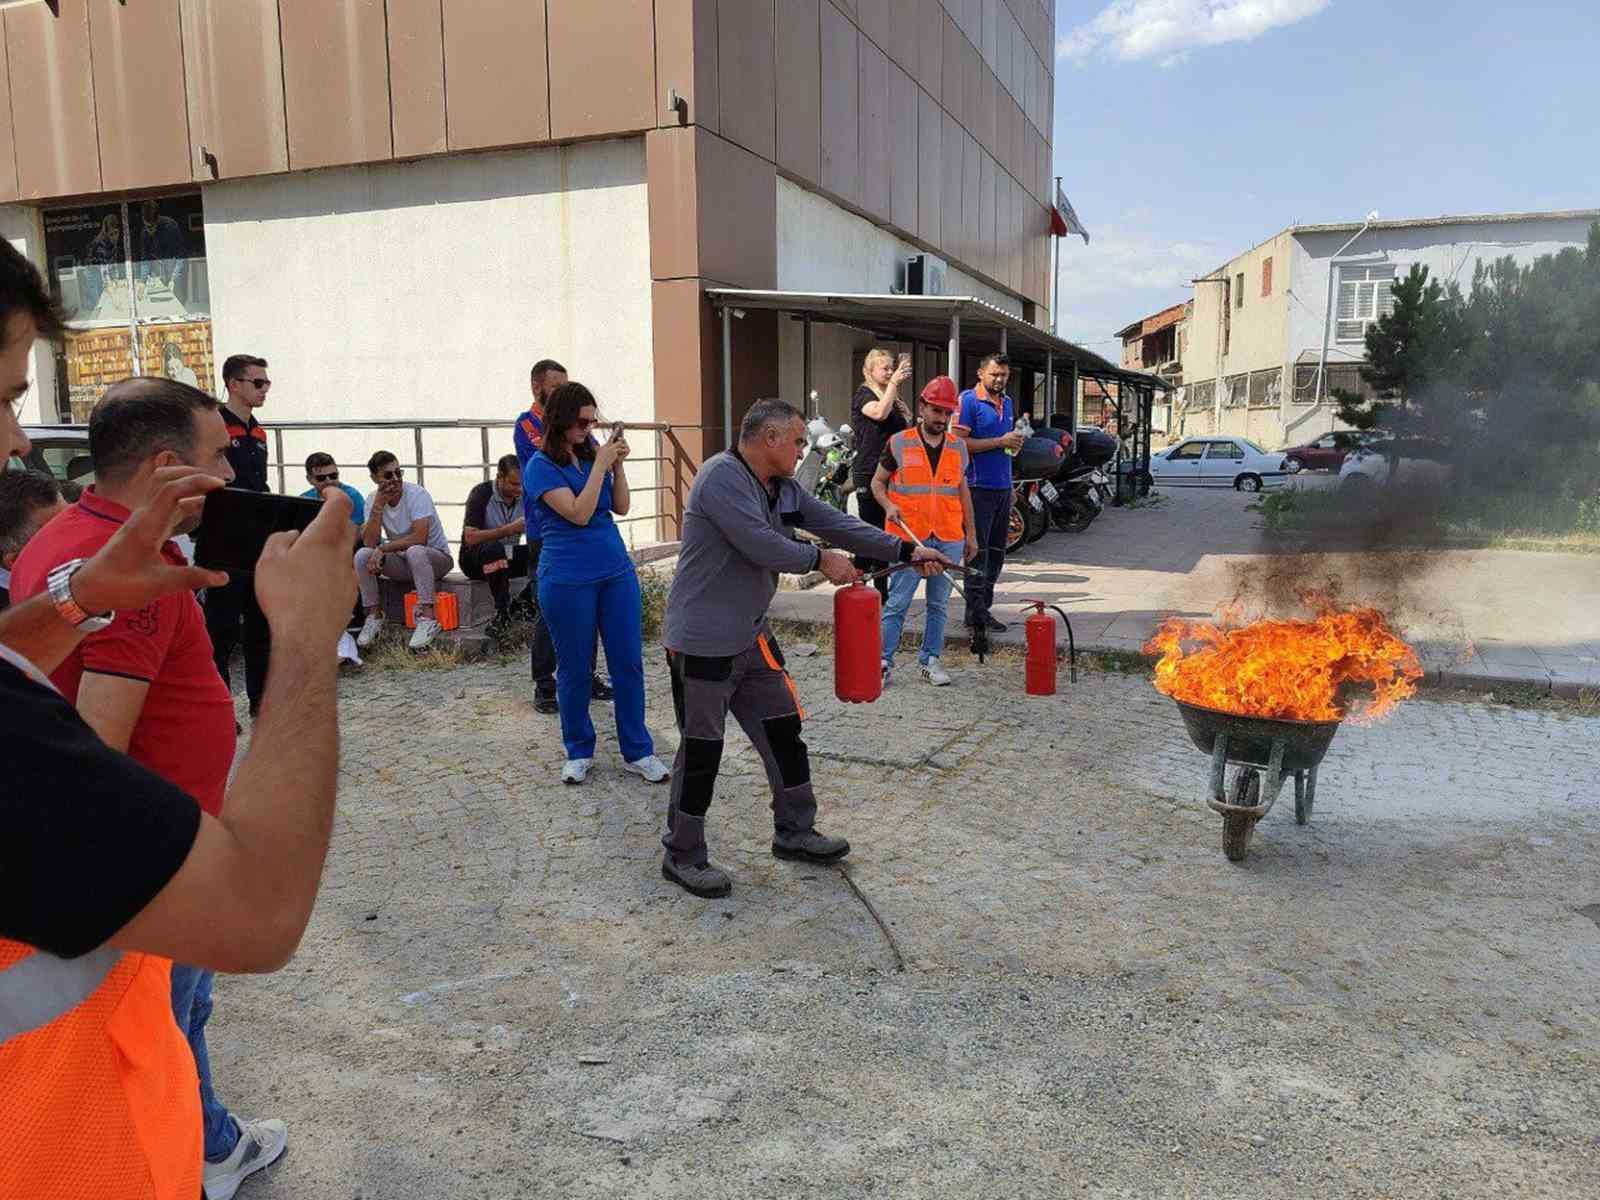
98, 1093
929, 501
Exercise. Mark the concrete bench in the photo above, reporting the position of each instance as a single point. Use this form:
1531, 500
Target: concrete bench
474, 603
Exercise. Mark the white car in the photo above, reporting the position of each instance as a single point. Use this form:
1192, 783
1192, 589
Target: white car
1416, 461
1234, 462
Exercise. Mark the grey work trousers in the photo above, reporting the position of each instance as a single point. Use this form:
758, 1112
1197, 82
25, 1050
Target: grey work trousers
755, 688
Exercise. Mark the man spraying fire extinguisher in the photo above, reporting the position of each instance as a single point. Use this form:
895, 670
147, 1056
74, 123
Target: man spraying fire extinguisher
921, 482
738, 535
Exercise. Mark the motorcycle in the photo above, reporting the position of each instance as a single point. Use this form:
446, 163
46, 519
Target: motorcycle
825, 469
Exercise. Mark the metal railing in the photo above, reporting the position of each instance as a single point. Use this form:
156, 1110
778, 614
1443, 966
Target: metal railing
673, 467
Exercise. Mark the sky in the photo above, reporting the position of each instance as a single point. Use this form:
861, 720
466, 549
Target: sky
1188, 131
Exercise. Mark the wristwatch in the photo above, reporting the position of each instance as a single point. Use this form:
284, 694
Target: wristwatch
59, 582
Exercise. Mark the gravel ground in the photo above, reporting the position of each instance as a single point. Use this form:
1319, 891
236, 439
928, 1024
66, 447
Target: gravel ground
500, 997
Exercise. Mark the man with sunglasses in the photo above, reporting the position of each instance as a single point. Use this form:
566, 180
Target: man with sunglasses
403, 540
244, 376
322, 473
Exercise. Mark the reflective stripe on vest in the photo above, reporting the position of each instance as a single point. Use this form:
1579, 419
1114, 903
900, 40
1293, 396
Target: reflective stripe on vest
929, 502
36, 990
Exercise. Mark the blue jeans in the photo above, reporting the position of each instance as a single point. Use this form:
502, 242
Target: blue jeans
191, 1008
573, 611
903, 589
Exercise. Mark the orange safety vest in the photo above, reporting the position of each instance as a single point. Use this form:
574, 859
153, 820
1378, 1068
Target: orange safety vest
98, 1092
929, 502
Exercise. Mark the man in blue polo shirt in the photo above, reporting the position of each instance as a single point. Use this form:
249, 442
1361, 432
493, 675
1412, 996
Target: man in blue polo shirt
988, 423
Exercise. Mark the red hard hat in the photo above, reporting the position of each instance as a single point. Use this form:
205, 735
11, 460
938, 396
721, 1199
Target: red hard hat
941, 392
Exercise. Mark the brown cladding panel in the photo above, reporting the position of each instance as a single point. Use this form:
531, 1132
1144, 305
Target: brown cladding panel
971, 192
336, 82
1016, 123
877, 166
496, 89
904, 45
950, 178
686, 59
850, 8
988, 130
903, 95
971, 89
872, 17
139, 97
931, 23
669, 157
952, 81
799, 89
745, 73
841, 135
416, 72
988, 192
686, 351
602, 67
930, 168
52, 100
233, 68
738, 213
8, 146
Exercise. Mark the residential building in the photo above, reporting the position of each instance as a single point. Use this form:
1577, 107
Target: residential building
1155, 343
1259, 322
401, 204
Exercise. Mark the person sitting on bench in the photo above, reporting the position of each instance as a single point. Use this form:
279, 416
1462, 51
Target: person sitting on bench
491, 535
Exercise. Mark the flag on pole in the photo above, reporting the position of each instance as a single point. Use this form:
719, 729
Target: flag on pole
1064, 219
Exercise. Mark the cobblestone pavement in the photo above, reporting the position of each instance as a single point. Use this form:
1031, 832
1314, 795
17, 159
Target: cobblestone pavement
500, 997
1478, 617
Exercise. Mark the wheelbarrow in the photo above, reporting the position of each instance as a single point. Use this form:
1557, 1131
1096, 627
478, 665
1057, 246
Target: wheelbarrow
1255, 744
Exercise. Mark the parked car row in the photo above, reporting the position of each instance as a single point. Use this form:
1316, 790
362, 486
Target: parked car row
1234, 462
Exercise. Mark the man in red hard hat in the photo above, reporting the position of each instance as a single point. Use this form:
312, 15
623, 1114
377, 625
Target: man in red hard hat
921, 482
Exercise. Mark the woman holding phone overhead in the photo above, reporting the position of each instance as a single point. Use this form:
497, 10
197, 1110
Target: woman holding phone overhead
877, 413
587, 581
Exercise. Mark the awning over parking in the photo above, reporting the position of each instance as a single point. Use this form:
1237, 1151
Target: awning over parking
940, 321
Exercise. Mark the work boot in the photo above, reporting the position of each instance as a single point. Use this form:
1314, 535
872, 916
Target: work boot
600, 689
705, 880
807, 845
545, 702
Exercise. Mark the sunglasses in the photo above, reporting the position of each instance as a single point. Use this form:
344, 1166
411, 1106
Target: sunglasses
391, 474
261, 385
585, 423
330, 477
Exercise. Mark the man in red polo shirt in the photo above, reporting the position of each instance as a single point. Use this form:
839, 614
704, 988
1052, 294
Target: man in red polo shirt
148, 684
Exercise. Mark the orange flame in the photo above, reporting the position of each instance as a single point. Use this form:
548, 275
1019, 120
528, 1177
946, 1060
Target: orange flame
1290, 670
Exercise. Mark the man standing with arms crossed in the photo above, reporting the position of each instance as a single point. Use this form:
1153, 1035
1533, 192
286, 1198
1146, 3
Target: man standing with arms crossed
987, 421
738, 535
547, 375
147, 683
245, 378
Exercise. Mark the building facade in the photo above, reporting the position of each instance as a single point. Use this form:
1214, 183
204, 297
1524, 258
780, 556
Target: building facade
1253, 345
401, 204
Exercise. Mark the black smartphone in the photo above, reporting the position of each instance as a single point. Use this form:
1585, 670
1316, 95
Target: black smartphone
235, 525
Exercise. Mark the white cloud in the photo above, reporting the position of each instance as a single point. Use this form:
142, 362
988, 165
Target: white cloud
1129, 271
1168, 30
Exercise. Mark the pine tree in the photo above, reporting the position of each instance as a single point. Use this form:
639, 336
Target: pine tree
1412, 353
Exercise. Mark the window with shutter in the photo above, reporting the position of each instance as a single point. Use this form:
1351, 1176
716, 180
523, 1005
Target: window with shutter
1266, 277
1365, 294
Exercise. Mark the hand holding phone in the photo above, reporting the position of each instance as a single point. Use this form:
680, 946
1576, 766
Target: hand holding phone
235, 525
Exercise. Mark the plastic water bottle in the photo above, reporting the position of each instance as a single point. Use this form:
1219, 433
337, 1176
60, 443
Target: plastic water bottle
1024, 428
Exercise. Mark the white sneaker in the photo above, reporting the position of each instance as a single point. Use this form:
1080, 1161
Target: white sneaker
933, 671
650, 769
427, 630
576, 770
261, 1143
370, 629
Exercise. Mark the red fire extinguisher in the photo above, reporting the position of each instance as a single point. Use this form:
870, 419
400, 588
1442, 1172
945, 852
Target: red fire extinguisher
1041, 666
857, 644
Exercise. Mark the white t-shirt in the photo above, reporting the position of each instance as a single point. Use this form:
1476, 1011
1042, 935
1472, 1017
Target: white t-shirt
413, 505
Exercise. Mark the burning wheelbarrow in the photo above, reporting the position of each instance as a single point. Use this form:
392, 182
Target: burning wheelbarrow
1268, 698
1281, 748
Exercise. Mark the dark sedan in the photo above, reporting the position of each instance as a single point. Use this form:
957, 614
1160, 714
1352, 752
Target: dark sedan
1327, 452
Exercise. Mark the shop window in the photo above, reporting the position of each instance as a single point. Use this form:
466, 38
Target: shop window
131, 278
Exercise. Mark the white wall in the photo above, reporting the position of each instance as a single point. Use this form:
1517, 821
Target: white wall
21, 226
428, 290
825, 248
1450, 252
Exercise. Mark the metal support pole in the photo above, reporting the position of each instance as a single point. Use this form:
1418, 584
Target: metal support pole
1072, 397
1055, 278
954, 352
805, 375
417, 436
727, 378
483, 441
1049, 385
1004, 340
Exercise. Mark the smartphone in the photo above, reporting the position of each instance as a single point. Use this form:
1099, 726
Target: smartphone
618, 430
235, 525
905, 359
